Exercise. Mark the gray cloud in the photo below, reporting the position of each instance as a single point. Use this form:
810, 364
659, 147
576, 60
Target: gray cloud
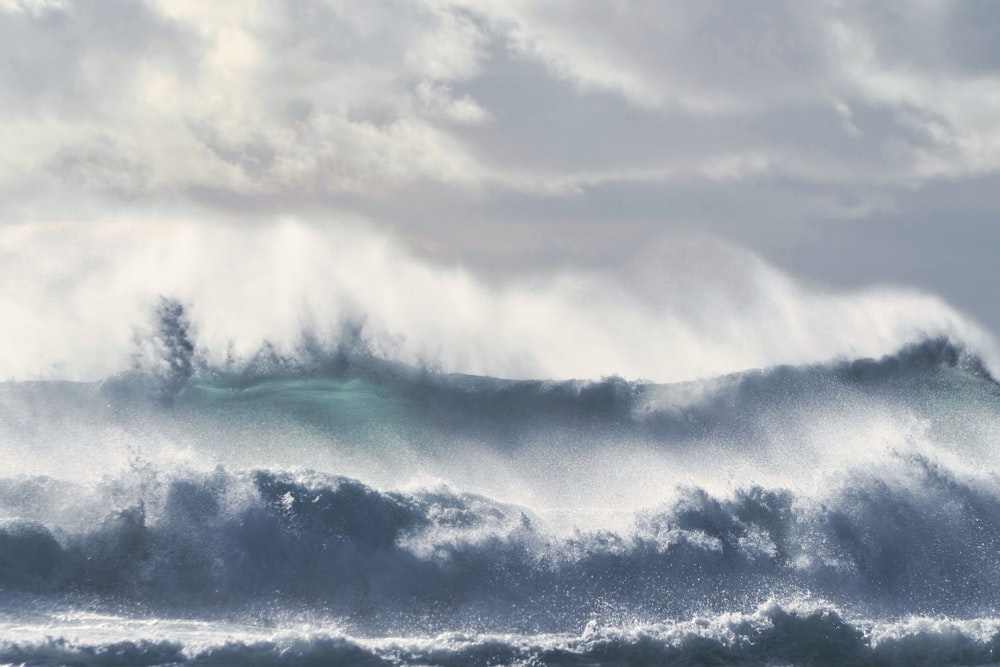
846, 141
311, 97
75, 60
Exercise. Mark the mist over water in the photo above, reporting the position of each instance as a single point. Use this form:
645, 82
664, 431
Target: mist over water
292, 443
688, 308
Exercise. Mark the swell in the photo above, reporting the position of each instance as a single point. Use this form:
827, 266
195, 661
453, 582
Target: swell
346, 389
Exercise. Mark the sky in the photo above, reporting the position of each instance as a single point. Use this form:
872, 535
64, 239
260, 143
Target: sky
848, 144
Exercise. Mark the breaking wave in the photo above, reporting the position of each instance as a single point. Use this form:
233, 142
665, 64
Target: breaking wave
296, 464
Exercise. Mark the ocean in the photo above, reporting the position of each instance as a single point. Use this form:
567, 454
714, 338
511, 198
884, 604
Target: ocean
434, 497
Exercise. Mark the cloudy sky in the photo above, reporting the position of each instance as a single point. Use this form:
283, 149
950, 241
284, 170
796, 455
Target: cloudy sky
847, 143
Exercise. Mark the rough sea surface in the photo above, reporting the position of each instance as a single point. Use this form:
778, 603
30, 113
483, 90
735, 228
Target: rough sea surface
340, 508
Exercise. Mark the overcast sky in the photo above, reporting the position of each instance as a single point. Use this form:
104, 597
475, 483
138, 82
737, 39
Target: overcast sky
849, 143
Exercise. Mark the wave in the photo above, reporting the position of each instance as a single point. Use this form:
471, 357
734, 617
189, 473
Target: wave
583, 444
921, 540
771, 634
542, 443
833, 513
347, 489
916, 375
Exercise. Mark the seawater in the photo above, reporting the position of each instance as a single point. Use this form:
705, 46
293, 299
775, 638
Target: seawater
296, 444
844, 512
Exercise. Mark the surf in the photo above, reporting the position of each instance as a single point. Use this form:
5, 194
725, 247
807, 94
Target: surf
282, 459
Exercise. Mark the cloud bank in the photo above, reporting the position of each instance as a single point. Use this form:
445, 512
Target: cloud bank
298, 101
852, 142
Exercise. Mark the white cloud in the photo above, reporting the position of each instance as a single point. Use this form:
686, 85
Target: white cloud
708, 58
450, 50
313, 100
736, 66
242, 107
30, 6
438, 100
